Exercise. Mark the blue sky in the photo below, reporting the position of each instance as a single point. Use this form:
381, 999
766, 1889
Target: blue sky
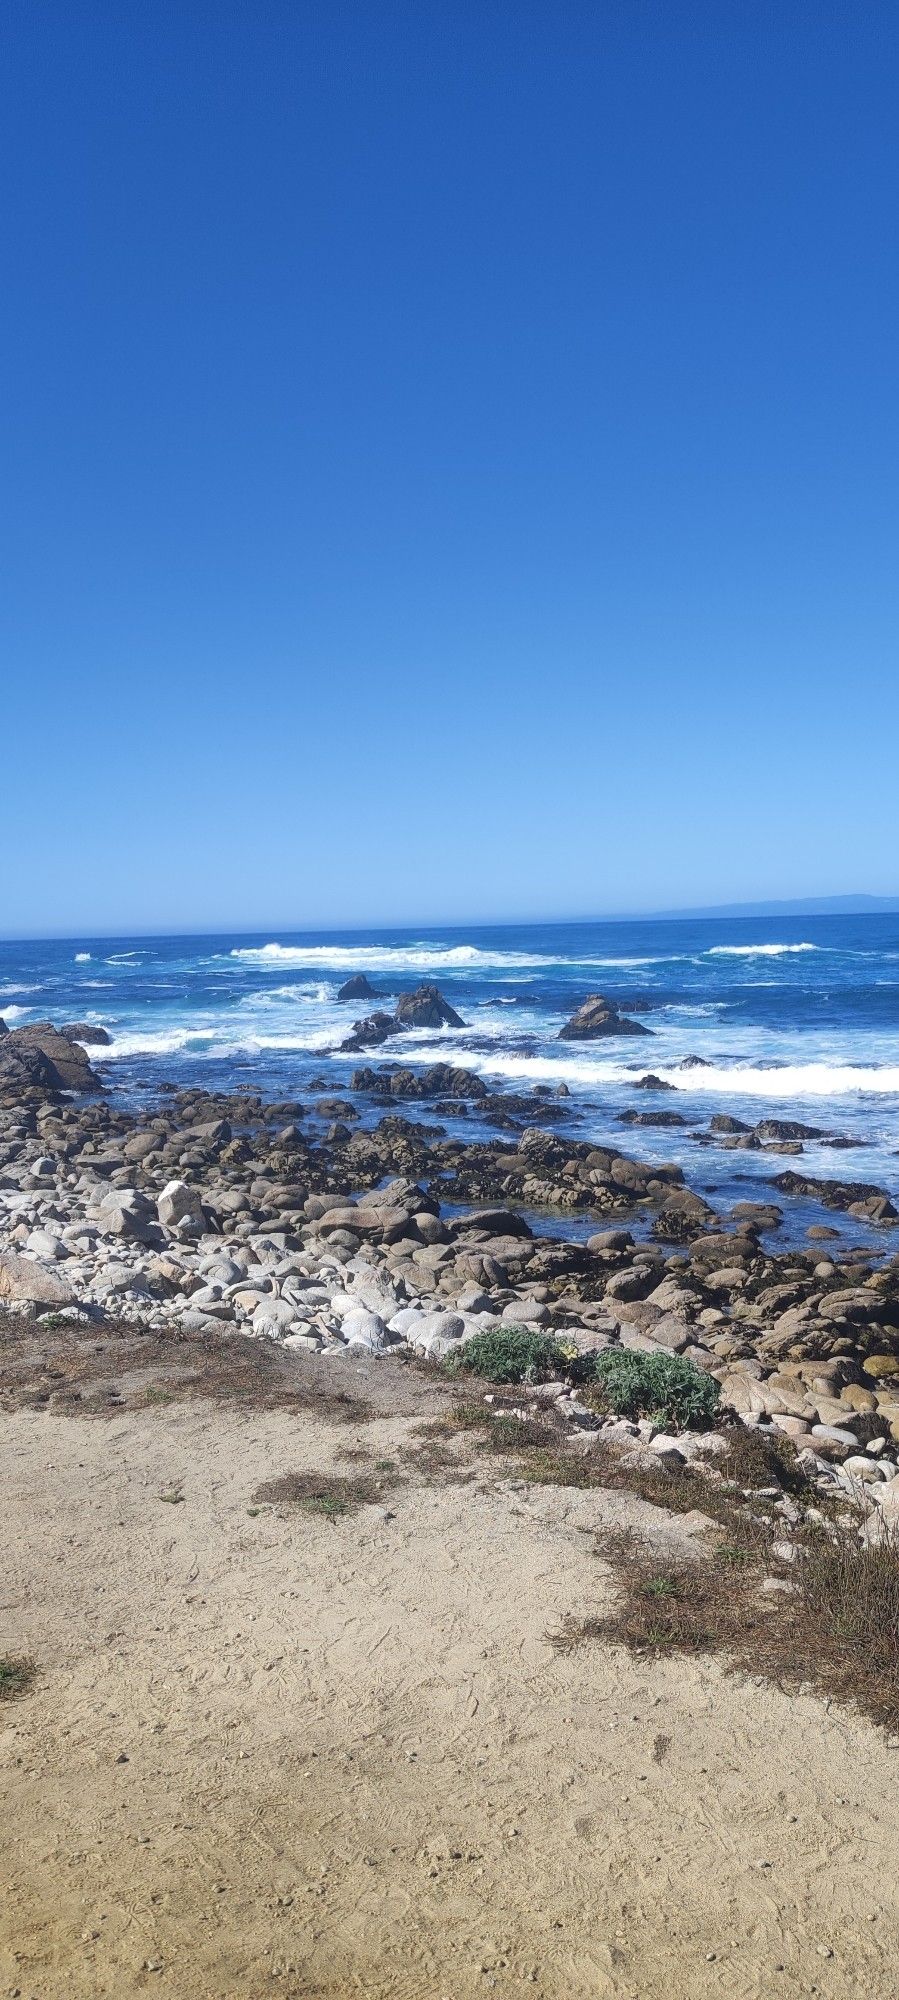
449, 459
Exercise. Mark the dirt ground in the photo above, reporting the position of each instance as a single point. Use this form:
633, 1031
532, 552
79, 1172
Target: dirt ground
273, 1755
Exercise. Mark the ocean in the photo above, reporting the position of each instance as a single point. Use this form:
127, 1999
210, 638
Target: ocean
795, 1018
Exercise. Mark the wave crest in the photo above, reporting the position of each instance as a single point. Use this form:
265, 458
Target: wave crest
757, 950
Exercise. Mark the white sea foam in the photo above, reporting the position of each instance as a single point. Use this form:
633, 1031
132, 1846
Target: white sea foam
15, 1013
820, 1079
596, 1071
386, 958
306, 996
424, 958
223, 1040
82, 958
757, 950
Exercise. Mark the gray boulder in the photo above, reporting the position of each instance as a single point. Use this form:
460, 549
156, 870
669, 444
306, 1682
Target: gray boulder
179, 1207
27, 1283
125, 1212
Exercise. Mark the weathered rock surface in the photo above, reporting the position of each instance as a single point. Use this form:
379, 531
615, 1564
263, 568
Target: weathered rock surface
596, 1018
425, 1008
39, 1058
26, 1281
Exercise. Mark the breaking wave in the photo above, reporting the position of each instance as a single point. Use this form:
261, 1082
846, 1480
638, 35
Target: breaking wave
757, 950
385, 958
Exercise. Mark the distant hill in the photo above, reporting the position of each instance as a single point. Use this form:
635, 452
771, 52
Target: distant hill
798, 906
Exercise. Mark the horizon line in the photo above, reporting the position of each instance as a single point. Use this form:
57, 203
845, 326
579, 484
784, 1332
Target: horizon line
860, 904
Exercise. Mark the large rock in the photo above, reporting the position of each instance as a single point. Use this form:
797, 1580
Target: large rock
179, 1207
87, 1032
437, 1080
39, 1057
371, 1032
426, 1008
29, 1283
357, 988
597, 1018
126, 1212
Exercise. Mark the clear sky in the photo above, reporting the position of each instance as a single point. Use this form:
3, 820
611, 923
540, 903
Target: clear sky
450, 458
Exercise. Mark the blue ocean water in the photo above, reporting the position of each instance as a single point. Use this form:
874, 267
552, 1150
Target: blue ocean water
795, 1017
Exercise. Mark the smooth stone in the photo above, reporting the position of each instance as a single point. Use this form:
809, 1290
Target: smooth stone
42, 1243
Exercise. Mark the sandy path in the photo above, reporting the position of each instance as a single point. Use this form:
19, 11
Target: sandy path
355, 1764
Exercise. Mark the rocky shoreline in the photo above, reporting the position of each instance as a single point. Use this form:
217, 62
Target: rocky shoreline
215, 1211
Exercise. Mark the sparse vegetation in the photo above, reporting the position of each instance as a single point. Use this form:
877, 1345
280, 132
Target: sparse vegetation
17, 1677
663, 1386
324, 1493
830, 1621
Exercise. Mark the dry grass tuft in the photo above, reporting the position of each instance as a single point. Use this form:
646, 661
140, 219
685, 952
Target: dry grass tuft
324, 1493
831, 1624
17, 1677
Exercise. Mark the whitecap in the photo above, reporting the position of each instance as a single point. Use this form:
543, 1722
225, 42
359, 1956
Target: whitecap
387, 958
82, 958
757, 950
426, 958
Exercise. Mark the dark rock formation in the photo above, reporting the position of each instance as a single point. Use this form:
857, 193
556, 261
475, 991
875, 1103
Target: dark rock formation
87, 1033
787, 1128
357, 988
438, 1080
596, 1018
425, 1008
370, 1033
859, 1198
39, 1059
631, 1117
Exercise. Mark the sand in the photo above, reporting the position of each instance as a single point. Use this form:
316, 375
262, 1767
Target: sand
272, 1755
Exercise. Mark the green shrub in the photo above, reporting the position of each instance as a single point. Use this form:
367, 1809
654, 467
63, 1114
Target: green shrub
664, 1386
512, 1354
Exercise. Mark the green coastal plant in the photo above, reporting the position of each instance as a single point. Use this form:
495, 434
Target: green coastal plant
511, 1354
664, 1386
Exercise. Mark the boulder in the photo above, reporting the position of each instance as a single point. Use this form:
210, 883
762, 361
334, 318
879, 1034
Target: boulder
426, 1008
357, 988
125, 1212
28, 1283
369, 1033
596, 1018
86, 1032
38, 1056
180, 1206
